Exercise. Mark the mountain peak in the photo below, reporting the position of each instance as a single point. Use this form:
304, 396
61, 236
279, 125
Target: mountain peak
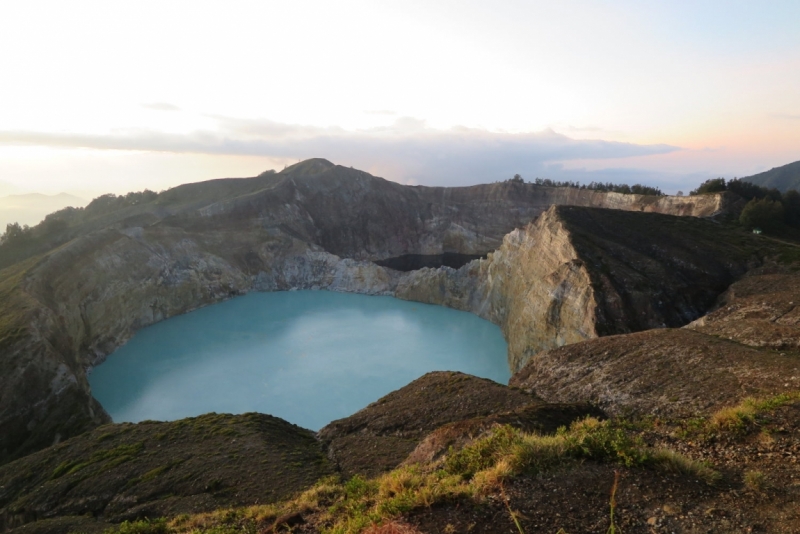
309, 167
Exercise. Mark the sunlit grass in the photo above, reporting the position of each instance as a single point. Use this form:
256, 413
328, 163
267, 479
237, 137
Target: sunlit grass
376, 505
737, 417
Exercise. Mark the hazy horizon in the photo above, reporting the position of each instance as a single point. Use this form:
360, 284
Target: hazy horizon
110, 98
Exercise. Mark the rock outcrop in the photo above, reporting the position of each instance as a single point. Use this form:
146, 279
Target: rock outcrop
579, 273
316, 225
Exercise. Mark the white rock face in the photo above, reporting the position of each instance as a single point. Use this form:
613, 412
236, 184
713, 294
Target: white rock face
533, 287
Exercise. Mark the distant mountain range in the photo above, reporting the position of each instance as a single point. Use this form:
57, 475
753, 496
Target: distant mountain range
31, 208
782, 178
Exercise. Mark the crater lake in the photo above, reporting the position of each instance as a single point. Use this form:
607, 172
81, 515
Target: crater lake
309, 357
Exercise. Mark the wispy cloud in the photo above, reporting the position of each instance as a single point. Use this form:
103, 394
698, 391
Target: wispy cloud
407, 150
161, 106
380, 112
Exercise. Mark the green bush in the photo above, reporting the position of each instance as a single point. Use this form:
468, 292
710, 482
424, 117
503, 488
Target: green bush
764, 214
714, 185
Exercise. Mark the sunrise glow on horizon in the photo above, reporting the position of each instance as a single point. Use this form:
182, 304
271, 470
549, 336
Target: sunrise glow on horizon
118, 96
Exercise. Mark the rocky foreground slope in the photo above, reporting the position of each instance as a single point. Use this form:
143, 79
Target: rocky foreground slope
126, 471
314, 225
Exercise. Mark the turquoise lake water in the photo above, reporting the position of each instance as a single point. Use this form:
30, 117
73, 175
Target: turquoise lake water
306, 356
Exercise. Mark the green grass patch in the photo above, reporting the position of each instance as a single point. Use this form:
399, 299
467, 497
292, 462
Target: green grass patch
121, 451
153, 473
532, 453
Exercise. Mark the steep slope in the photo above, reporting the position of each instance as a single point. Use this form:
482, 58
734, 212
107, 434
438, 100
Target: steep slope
350, 213
128, 471
760, 310
784, 178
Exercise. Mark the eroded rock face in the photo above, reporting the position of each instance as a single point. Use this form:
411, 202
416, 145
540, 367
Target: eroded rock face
579, 273
314, 225
533, 286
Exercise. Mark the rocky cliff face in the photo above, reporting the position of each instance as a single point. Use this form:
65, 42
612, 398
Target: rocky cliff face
579, 273
534, 287
315, 225
747, 346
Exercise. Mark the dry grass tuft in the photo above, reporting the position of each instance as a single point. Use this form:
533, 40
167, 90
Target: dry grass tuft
738, 417
755, 480
673, 462
491, 479
734, 417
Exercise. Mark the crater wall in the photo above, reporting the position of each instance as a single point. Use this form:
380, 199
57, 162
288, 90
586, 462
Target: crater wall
315, 226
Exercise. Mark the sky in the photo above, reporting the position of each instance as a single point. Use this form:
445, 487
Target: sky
100, 97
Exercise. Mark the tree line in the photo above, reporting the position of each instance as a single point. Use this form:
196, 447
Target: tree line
608, 187
767, 208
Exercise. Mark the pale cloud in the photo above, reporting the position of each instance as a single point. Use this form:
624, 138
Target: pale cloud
161, 106
404, 151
